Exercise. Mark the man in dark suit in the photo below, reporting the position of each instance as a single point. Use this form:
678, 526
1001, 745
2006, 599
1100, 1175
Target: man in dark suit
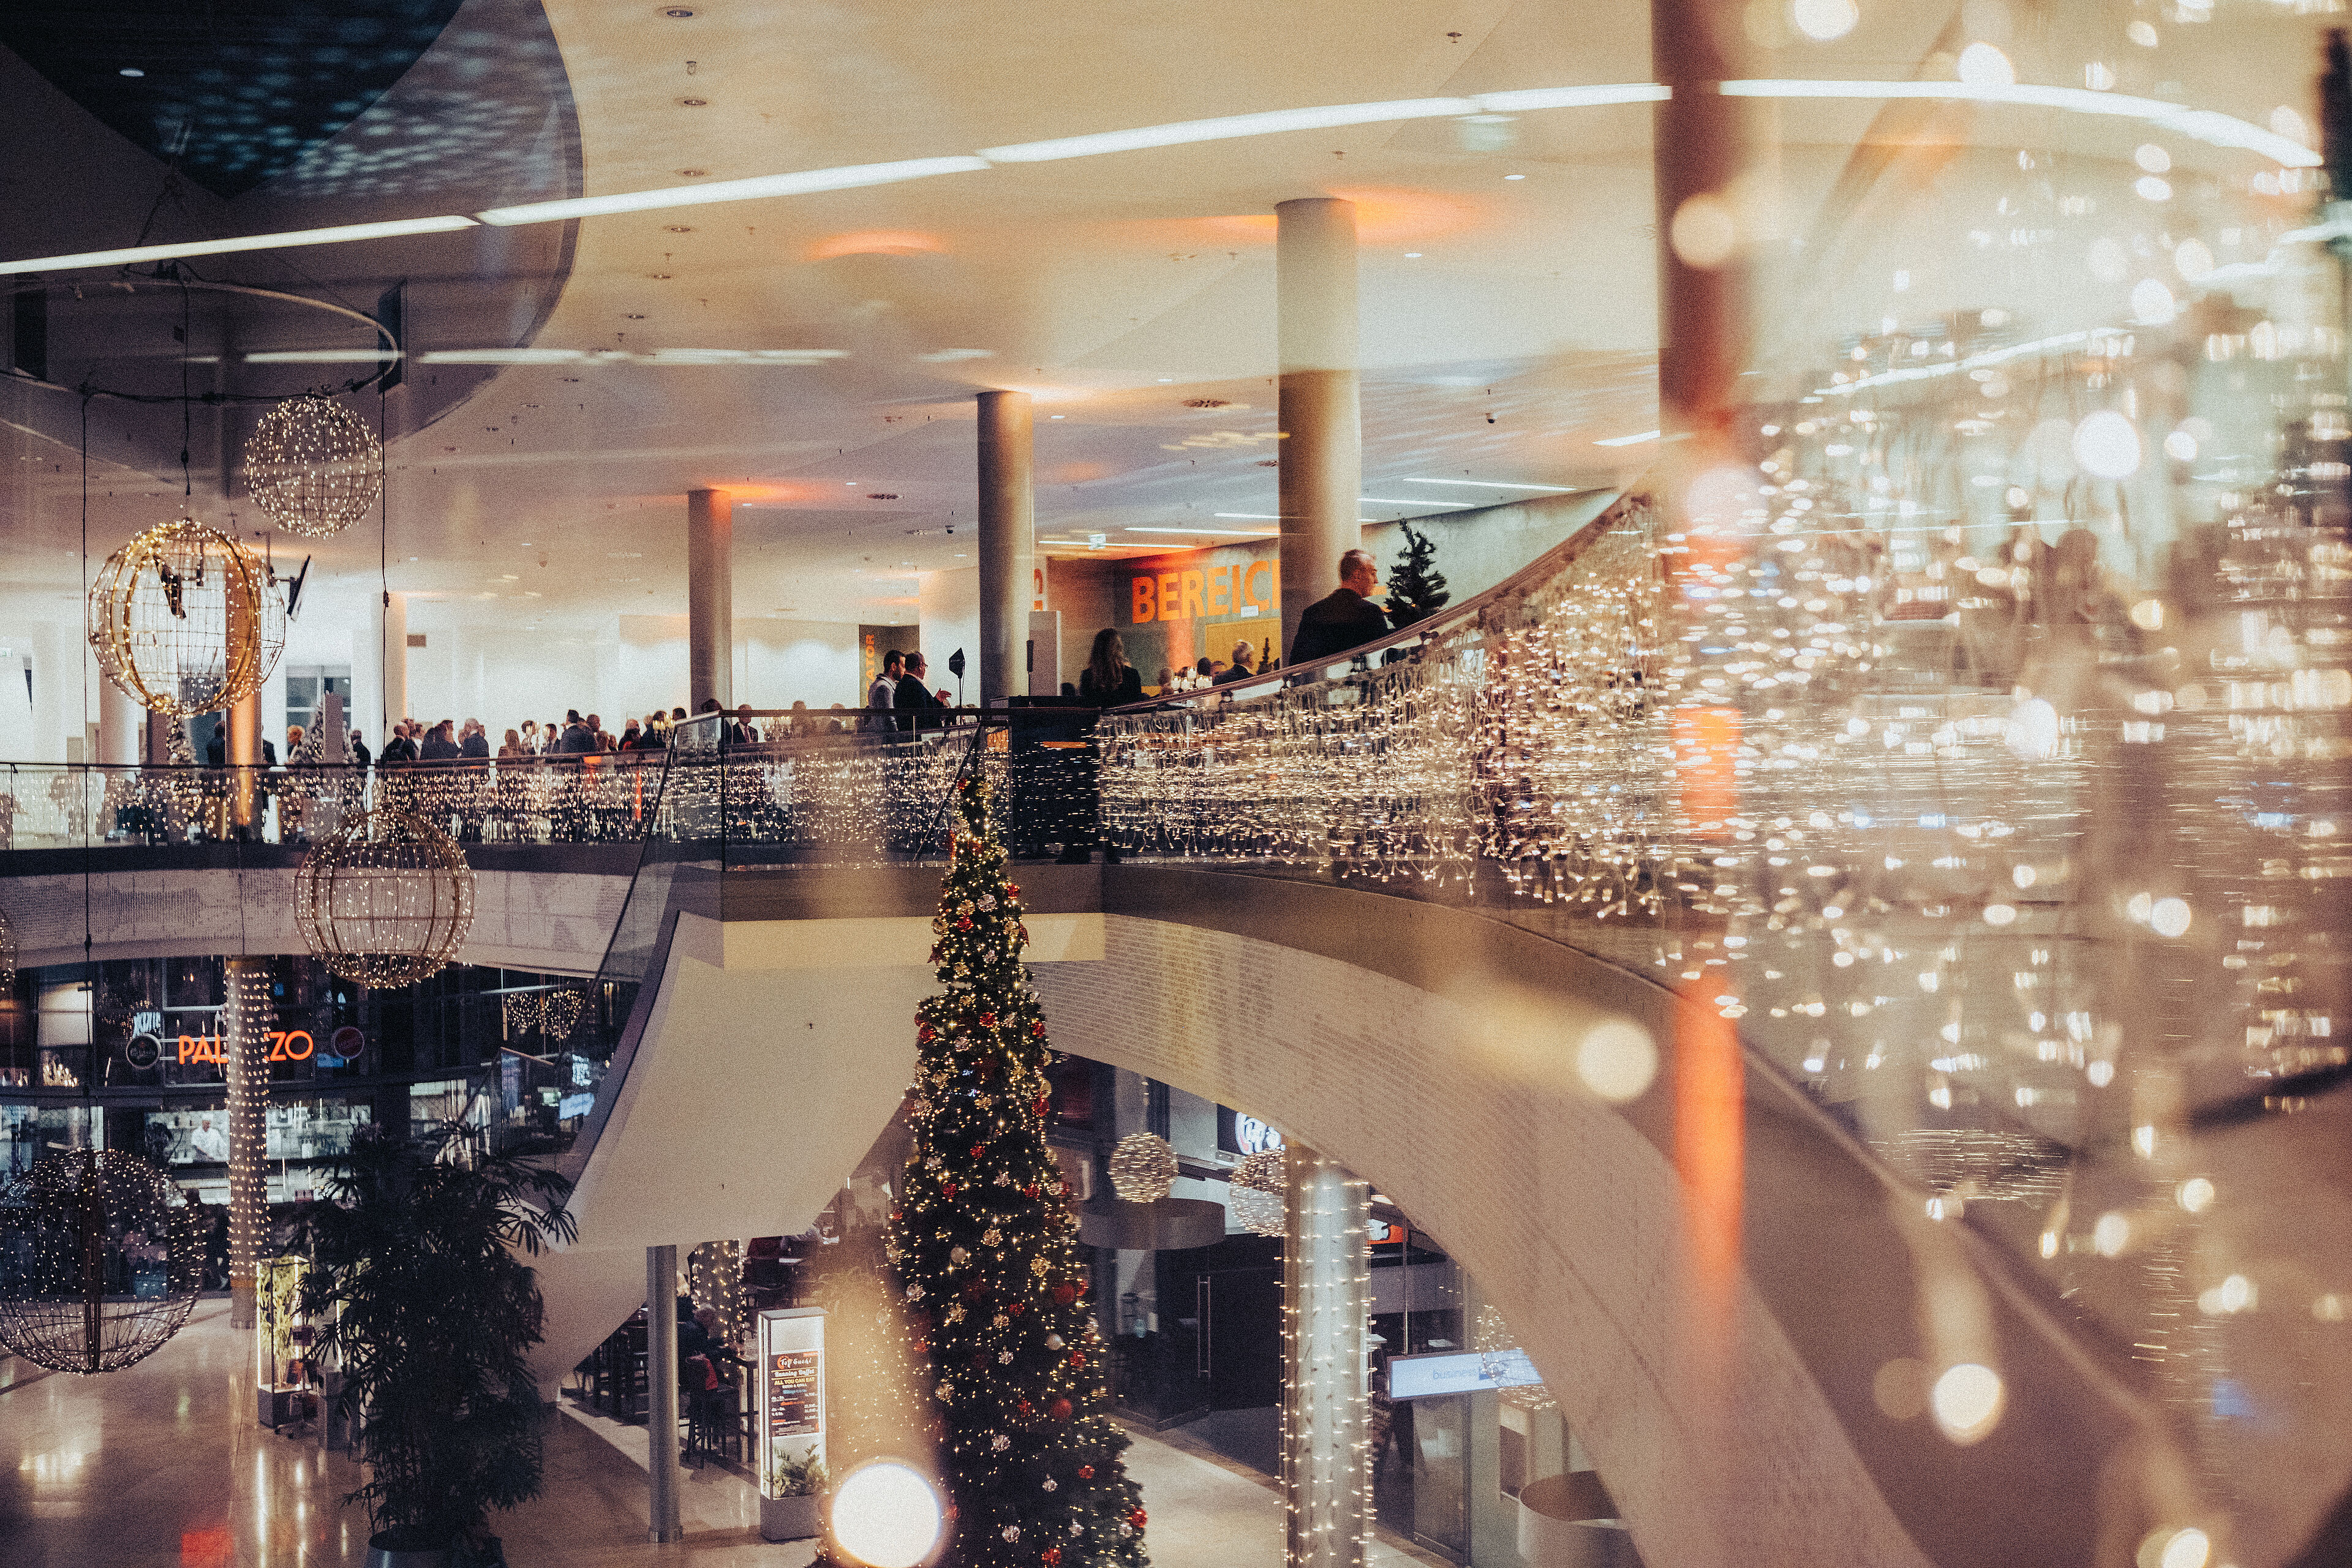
913, 695
1347, 618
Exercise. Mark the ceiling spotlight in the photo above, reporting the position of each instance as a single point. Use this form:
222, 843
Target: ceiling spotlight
678, 228
1206, 401
880, 495
658, 276
1515, 176
130, 70
677, 13
693, 174
631, 316
694, 103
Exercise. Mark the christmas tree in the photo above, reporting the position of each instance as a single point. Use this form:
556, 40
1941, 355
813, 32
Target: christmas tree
987, 1253
1416, 587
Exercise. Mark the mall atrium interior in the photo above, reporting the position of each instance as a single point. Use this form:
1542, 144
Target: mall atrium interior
1477, 782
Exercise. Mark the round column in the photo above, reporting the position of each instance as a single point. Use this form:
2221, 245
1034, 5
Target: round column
1318, 401
1008, 524
709, 598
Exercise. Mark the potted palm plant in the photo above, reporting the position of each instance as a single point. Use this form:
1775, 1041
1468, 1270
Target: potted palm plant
419, 1283
791, 1502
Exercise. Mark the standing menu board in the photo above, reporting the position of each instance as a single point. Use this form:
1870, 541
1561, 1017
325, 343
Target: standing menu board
794, 1408
792, 1388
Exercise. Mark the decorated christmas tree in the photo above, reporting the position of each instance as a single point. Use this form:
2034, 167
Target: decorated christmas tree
987, 1253
1416, 587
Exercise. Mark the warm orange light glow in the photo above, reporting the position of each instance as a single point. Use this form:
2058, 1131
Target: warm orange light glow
1384, 215
1076, 473
877, 242
1706, 757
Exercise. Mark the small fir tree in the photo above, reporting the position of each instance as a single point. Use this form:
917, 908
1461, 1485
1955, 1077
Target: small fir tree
1416, 587
987, 1255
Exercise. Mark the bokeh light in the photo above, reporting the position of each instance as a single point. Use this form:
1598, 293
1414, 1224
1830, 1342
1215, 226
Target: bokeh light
887, 1515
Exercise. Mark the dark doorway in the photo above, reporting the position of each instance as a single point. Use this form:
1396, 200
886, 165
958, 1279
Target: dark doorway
1241, 1336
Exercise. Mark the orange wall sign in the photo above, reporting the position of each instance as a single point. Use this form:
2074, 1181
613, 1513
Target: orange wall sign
1204, 593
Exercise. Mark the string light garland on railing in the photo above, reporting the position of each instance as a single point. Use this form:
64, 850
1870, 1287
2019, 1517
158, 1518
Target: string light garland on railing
386, 900
313, 465
185, 620
101, 1261
1143, 1168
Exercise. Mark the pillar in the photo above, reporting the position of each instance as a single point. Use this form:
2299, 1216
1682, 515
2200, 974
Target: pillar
1322, 456
1326, 1478
1008, 522
1701, 149
244, 756
661, 1385
245, 1025
391, 671
709, 598
122, 726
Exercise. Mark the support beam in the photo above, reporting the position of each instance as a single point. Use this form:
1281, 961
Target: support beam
1320, 411
122, 726
661, 1385
709, 598
244, 1025
1008, 524
244, 754
1327, 1477
1702, 152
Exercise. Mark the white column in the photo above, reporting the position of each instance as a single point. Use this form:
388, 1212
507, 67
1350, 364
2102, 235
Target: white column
1327, 1480
392, 672
1321, 451
661, 1387
709, 598
121, 724
1008, 521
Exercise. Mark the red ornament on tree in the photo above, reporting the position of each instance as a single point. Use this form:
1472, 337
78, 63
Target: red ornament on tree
988, 1020
947, 1189
1064, 1294
1051, 1555
1136, 1519
1085, 1472
1059, 1410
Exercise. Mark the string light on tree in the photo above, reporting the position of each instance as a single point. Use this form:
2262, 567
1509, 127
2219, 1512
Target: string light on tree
1143, 1168
185, 620
985, 1246
313, 466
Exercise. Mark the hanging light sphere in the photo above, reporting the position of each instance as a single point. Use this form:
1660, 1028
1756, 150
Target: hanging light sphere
101, 1260
313, 466
185, 620
386, 901
1258, 1204
1142, 1168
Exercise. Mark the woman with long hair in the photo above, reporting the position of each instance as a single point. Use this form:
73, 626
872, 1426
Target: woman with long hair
1110, 681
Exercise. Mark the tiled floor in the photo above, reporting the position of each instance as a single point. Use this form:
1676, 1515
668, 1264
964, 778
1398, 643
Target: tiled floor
161, 1465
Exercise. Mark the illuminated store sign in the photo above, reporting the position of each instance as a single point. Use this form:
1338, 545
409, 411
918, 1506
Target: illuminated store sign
1255, 1137
1458, 1372
285, 1046
1240, 588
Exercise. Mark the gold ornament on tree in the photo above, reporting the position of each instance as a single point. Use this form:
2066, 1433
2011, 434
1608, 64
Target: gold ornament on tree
386, 901
1259, 1203
1142, 1168
313, 466
185, 620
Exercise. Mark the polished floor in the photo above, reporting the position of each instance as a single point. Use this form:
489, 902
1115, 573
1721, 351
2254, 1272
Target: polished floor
163, 1464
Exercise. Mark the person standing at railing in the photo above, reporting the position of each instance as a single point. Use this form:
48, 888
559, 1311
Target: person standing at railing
913, 696
1245, 665
1345, 618
576, 739
1108, 681
475, 744
883, 695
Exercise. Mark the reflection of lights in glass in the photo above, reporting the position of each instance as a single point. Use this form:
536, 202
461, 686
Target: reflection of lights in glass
2106, 445
2180, 447
2111, 1235
1825, 19
2031, 731
2169, 917
2000, 914
1617, 1060
2153, 158
2152, 302
2100, 1073
2142, 34
2187, 1549
1967, 1401
2098, 77
1628, 440
337, 234
2195, 1194
1981, 65
2286, 123
886, 1514
2153, 189
2193, 259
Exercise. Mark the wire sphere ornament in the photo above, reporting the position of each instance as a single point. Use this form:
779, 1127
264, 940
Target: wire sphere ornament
1260, 1202
386, 901
555, 1011
101, 1260
1143, 1168
185, 620
313, 466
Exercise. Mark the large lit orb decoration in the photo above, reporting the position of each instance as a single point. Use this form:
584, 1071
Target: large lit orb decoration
386, 901
1258, 1204
1143, 1168
185, 620
886, 1514
313, 466
101, 1260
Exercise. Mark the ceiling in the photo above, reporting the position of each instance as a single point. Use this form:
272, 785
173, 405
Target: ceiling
1507, 277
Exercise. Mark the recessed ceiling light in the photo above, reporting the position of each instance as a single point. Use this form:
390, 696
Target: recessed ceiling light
1412, 256
1166, 379
678, 228
631, 316
1515, 176
658, 276
694, 103
130, 70
692, 173
677, 13
1058, 417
